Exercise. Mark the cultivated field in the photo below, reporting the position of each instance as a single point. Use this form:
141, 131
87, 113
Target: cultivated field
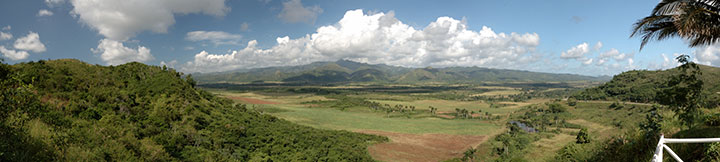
460, 119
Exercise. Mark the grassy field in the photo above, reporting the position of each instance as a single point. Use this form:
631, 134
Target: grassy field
337, 119
360, 118
421, 136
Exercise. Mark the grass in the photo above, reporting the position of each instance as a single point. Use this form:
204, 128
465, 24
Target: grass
499, 93
543, 149
449, 106
325, 118
601, 121
362, 118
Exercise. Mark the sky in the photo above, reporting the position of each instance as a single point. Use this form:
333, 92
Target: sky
199, 36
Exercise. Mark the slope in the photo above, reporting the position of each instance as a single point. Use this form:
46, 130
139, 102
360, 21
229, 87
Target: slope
644, 85
68, 110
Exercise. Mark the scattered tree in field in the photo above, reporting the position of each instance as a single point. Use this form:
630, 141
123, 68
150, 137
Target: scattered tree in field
572, 102
556, 108
469, 154
582, 136
433, 110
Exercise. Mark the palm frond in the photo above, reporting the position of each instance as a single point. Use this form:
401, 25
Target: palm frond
695, 20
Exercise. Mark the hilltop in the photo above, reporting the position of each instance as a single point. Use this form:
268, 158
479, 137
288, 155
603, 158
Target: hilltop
644, 85
343, 71
67, 110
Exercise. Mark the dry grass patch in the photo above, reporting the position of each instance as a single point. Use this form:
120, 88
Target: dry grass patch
421, 147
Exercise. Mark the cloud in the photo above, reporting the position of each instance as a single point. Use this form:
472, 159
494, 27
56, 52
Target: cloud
44, 12
5, 36
31, 42
53, 3
170, 64
669, 62
121, 20
7, 27
13, 54
244, 26
293, 11
381, 38
615, 54
587, 61
576, 52
597, 46
709, 55
216, 37
115, 53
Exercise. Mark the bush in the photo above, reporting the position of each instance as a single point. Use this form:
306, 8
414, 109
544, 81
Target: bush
557, 108
712, 120
572, 102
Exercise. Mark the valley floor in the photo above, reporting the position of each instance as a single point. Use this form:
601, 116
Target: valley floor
419, 134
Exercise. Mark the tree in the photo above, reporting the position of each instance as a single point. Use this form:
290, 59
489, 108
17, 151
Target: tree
557, 108
695, 20
190, 80
652, 125
582, 136
683, 94
469, 154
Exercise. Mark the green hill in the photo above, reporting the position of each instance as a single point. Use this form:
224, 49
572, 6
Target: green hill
67, 110
349, 71
644, 85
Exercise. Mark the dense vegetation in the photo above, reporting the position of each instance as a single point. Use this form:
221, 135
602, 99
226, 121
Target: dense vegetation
68, 110
644, 86
689, 99
344, 71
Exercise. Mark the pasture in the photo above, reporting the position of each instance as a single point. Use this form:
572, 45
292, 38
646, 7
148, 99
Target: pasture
419, 133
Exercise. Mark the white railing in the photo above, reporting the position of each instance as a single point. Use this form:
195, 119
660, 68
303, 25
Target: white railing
658, 157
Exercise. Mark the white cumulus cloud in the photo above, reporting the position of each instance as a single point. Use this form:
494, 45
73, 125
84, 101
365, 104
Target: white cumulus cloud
5, 36
115, 53
7, 27
709, 55
121, 20
216, 37
13, 54
30, 42
615, 54
381, 38
53, 3
293, 11
576, 52
44, 12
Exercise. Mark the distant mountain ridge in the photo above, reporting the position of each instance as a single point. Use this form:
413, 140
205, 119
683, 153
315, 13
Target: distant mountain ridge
350, 71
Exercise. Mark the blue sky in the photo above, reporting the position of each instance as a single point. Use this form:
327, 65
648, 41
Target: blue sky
560, 36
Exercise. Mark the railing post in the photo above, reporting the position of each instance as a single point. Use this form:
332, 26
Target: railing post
658, 157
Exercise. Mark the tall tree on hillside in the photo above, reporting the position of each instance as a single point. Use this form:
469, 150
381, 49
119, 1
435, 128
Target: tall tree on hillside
698, 21
683, 94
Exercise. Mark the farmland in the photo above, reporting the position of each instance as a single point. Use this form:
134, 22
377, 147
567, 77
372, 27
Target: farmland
434, 122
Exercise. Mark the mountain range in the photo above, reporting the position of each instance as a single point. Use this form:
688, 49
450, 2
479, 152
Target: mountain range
343, 71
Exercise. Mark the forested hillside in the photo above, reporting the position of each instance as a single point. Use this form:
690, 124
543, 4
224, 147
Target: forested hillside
343, 71
68, 110
644, 86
